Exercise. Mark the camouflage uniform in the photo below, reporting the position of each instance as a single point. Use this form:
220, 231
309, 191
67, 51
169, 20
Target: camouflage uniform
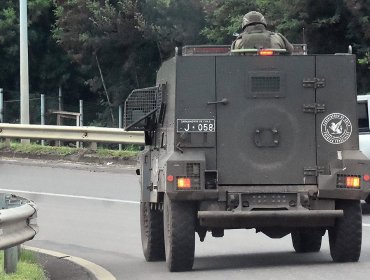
255, 35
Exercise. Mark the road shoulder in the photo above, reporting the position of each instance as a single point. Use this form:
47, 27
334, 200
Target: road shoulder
60, 266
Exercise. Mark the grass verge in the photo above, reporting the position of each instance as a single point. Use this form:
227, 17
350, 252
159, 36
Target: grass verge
27, 268
36, 149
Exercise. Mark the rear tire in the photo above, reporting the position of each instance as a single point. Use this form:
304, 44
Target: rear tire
307, 241
179, 234
152, 238
346, 235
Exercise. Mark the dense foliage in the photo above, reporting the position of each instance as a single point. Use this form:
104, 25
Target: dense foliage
99, 50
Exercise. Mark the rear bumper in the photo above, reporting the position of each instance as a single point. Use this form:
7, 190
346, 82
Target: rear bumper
254, 219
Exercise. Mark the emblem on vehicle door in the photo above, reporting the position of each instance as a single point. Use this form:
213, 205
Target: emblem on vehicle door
336, 128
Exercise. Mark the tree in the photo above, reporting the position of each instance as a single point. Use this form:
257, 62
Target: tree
329, 26
48, 63
120, 44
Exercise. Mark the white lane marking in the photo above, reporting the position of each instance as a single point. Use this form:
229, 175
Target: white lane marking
366, 225
72, 196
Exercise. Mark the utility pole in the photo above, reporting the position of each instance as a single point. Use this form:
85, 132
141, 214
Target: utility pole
25, 95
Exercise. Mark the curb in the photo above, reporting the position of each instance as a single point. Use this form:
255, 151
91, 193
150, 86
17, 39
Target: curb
96, 270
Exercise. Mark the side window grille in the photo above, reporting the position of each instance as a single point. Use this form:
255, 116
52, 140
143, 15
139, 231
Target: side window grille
142, 108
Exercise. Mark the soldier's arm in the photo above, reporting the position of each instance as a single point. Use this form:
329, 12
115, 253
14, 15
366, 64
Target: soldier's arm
288, 46
236, 44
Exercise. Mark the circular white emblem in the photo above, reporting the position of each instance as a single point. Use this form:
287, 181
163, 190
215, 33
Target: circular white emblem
336, 128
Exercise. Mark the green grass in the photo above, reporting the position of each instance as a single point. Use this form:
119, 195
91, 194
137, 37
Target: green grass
42, 150
36, 149
116, 153
27, 268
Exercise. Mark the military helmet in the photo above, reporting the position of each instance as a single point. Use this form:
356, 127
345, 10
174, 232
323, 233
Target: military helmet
253, 17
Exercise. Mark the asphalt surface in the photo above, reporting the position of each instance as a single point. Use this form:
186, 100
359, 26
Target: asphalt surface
62, 269
93, 213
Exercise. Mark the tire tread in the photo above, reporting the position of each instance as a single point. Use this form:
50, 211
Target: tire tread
153, 242
345, 237
180, 241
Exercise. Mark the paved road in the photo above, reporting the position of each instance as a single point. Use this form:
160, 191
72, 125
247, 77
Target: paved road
94, 214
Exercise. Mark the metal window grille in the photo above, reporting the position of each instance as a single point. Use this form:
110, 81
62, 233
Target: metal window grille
141, 105
265, 84
193, 172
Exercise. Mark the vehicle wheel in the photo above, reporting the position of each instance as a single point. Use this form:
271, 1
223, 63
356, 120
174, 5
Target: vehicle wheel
345, 237
152, 237
179, 234
307, 241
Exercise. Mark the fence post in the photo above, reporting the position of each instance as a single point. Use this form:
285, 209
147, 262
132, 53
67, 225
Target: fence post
10, 259
82, 113
60, 99
42, 114
120, 123
1, 106
80, 122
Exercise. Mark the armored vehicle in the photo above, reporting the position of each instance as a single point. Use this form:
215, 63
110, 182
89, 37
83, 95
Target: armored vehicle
250, 139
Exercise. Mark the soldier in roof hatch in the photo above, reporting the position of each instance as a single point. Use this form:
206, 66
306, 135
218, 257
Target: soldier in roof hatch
256, 36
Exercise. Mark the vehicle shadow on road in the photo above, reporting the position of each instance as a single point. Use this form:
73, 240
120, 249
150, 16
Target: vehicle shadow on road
260, 260
365, 209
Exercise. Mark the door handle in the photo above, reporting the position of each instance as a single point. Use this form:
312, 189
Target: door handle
223, 101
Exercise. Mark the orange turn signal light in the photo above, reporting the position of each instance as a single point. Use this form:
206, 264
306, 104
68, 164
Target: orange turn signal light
266, 52
353, 182
183, 183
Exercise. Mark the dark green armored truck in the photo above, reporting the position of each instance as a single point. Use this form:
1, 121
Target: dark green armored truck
250, 139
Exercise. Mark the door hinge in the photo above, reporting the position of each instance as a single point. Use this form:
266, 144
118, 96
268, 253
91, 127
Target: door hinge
313, 171
314, 108
314, 83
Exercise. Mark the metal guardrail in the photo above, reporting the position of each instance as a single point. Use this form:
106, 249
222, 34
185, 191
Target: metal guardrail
17, 224
71, 133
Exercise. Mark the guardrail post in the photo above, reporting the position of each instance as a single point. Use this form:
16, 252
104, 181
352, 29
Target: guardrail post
19, 249
94, 146
7, 142
3, 201
10, 260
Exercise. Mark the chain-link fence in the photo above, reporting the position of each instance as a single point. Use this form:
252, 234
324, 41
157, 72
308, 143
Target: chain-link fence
92, 113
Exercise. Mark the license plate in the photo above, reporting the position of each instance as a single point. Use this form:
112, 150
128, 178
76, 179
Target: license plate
196, 125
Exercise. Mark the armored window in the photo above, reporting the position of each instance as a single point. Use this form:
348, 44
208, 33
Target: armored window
265, 84
363, 116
